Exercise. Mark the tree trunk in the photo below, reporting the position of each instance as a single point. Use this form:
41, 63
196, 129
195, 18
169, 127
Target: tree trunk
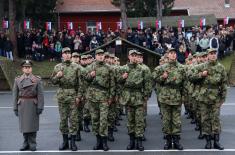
159, 9
12, 15
123, 14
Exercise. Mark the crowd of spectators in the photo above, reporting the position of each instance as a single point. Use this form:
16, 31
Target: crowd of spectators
40, 45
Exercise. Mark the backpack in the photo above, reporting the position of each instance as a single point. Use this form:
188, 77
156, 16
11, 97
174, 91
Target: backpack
214, 43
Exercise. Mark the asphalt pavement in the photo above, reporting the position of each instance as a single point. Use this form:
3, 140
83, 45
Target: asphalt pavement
49, 137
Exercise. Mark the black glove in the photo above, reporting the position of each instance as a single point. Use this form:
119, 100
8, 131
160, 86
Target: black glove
39, 111
16, 112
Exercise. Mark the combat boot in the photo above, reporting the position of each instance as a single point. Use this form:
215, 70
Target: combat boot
131, 145
168, 144
110, 134
208, 142
65, 144
86, 125
78, 136
176, 142
25, 145
217, 145
104, 142
139, 145
99, 145
80, 126
73, 145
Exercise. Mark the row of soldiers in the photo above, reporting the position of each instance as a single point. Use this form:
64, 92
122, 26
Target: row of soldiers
201, 85
98, 88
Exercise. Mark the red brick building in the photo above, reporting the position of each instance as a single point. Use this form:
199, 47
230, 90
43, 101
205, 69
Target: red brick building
220, 8
87, 13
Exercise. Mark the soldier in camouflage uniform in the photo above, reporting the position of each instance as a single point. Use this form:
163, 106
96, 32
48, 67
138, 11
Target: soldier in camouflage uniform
212, 96
86, 113
148, 77
100, 95
76, 59
67, 75
135, 93
170, 76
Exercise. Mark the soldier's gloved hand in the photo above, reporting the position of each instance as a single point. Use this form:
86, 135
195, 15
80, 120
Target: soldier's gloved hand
39, 111
16, 112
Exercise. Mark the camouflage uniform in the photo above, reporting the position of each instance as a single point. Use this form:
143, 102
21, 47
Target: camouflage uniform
100, 91
212, 95
170, 98
69, 89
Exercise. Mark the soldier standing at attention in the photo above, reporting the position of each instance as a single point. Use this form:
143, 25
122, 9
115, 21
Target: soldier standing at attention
134, 95
28, 104
99, 95
213, 95
76, 59
67, 76
170, 76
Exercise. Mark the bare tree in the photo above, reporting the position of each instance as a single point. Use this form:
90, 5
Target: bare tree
123, 14
159, 8
12, 30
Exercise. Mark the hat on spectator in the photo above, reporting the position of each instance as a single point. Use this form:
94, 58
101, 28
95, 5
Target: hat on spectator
133, 52
26, 63
99, 51
211, 50
75, 54
66, 49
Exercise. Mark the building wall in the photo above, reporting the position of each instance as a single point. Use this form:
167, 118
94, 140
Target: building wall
81, 19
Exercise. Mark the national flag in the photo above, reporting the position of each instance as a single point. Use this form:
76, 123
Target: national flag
5, 24
26, 24
180, 23
202, 22
140, 25
158, 24
70, 25
48, 26
98, 26
226, 20
119, 25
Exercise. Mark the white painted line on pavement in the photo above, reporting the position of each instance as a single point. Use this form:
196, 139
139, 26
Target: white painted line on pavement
123, 151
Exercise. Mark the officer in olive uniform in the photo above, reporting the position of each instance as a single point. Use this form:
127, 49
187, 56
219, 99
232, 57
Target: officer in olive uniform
28, 104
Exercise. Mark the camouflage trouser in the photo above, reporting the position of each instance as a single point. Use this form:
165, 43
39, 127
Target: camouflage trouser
112, 115
135, 123
80, 112
68, 113
194, 103
171, 120
86, 111
198, 111
210, 119
99, 117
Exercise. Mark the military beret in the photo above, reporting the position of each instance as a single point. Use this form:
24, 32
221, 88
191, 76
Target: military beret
133, 51
171, 50
211, 50
66, 49
99, 51
84, 56
74, 54
26, 63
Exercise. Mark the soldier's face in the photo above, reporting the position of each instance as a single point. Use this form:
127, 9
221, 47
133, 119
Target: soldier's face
66, 56
212, 56
75, 59
99, 57
27, 70
172, 56
133, 58
83, 61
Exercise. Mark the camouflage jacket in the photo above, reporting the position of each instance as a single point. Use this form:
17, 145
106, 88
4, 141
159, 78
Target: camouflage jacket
71, 79
102, 86
214, 86
172, 86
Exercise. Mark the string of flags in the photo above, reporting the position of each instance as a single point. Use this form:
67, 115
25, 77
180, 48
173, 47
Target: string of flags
140, 24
